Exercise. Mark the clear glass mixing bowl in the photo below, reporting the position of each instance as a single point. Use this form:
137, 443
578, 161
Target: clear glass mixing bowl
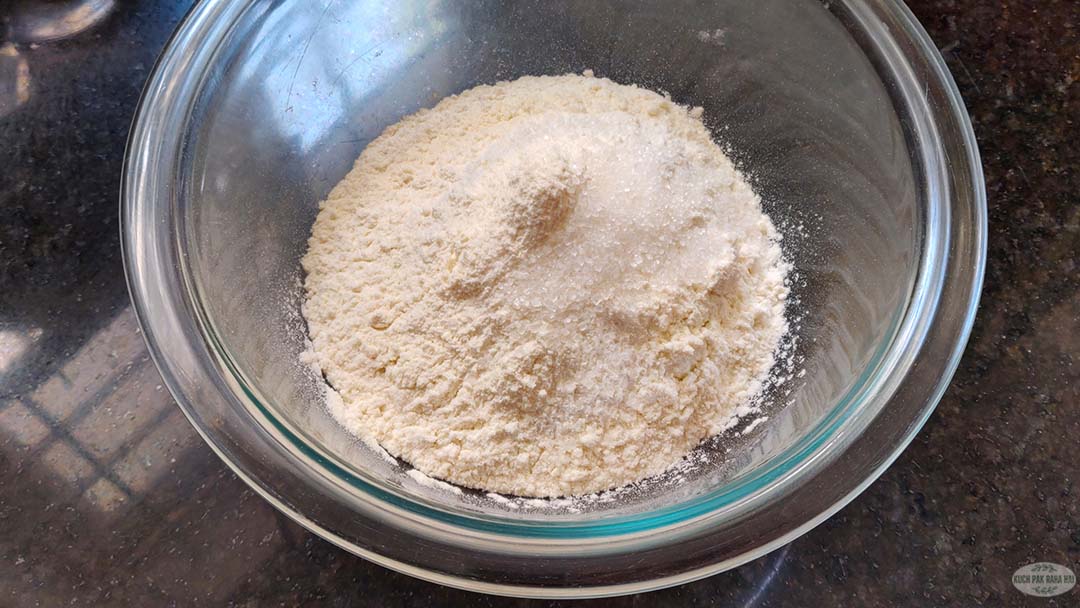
841, 112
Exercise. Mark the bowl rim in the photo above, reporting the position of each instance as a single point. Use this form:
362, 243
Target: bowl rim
198, 373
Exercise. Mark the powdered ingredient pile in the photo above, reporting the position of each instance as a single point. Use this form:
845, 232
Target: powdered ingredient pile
545, 287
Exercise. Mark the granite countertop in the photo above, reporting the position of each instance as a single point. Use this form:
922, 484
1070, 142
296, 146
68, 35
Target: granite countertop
108, 497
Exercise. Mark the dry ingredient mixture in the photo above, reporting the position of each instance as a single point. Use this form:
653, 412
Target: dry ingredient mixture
545, 287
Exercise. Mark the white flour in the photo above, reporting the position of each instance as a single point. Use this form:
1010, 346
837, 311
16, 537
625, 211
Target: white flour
546, 287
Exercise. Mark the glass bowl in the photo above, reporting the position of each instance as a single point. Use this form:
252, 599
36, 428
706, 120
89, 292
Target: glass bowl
841, 113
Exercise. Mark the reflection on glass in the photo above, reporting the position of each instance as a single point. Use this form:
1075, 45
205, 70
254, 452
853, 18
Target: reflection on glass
333, 60
761, 587
37, 21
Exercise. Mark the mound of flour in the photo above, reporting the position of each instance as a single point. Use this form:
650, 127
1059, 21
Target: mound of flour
545, 287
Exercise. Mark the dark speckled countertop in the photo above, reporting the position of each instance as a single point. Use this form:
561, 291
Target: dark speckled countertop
107, 496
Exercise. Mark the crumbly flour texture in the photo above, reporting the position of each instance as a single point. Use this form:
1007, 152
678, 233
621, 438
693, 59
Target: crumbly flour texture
545, 287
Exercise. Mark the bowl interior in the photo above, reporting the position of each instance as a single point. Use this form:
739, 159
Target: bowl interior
301, 87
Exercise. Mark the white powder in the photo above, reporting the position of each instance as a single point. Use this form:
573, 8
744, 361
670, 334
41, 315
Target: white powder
503, 500
429, 482
546, 287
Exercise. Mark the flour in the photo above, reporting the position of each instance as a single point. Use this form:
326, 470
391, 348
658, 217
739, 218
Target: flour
429, 482
546, 287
